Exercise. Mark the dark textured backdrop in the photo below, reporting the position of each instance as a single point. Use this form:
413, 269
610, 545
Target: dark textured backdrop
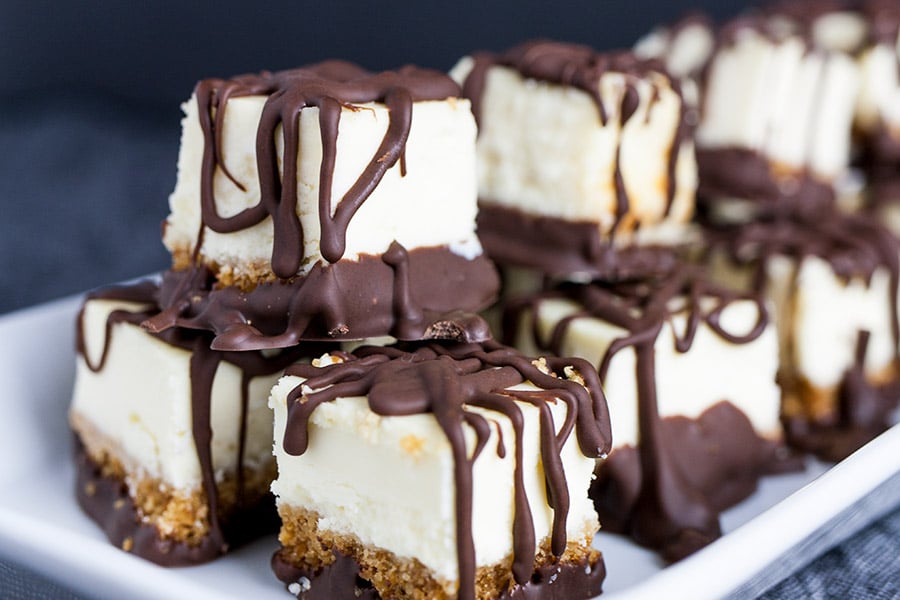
90, 94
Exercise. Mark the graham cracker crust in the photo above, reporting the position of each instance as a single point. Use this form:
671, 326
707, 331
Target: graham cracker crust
177, 514
309, 549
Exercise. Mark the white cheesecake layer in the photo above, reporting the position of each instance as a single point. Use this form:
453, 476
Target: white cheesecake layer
434, 204
141, 402
543, 149
389, 481
775, 97
686, 383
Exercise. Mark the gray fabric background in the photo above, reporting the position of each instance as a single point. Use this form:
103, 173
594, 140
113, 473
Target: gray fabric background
89, 123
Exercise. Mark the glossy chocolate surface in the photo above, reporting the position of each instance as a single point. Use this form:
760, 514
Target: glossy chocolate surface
421, 294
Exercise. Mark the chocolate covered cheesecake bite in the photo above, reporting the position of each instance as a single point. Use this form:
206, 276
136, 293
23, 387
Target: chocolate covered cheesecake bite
832, 283
172, 439
777, 114
324, 202
438, 471
583, 158
689, 370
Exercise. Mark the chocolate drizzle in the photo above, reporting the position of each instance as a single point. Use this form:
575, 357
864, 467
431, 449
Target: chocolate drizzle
443, 381
665, 509
335, 298
583, 68
331, 87
204, 364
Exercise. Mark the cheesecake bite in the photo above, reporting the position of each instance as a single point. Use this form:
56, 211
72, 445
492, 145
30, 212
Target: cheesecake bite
324, 202
776, 120
689, 371
833, 284
438, 471
582, 157
173, 440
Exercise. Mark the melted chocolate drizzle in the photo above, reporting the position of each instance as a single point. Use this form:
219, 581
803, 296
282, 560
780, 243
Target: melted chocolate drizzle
443, 381
582, 67
204, 363
336, 299
854, 245
666, 510
330, 86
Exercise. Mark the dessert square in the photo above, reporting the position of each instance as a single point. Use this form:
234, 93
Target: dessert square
173, 440
689, 369
833, 285
579, 152
777, 116
324, 202
438, 471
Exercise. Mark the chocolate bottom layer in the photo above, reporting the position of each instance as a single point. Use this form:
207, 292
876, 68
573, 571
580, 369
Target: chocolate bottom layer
729, 173
561, 247
106, 500
341, 581
716, 461
862, 412
420, 294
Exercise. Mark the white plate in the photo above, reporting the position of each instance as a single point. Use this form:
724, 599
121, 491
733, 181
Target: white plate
778, 529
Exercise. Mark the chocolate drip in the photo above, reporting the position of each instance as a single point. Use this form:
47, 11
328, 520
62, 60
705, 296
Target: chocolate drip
443, 381
583, 67
667, 510
331, 87
418, 294
204, 364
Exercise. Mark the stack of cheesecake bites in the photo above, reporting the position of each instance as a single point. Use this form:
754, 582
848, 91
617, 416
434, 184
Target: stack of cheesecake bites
683, 219
326, 269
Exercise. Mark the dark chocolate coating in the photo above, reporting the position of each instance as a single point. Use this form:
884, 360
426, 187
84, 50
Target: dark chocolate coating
718, 455
557, 247
442, 380
424, 293
746, 174
651, 496
204, 363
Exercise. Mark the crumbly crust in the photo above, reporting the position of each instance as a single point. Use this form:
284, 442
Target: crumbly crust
181, 515
245, 276
306, 546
